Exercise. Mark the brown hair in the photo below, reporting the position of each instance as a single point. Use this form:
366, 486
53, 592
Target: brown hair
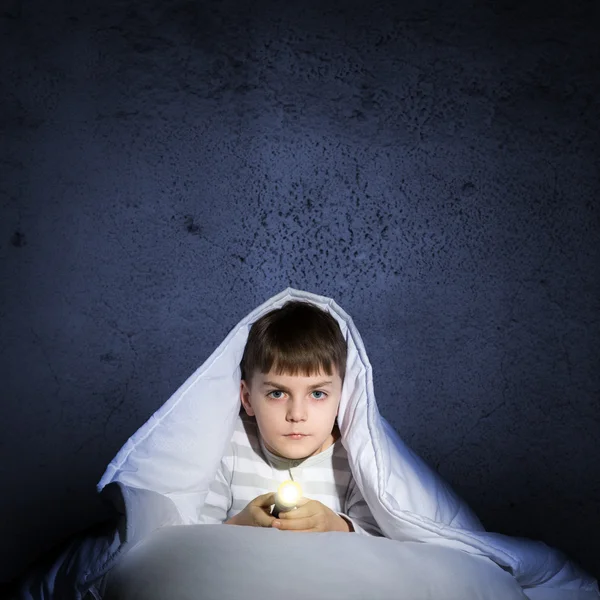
298, 337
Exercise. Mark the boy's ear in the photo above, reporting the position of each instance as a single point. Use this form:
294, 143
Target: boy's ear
245, 398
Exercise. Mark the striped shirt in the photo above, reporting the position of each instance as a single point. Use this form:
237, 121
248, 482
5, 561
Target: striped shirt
248, 470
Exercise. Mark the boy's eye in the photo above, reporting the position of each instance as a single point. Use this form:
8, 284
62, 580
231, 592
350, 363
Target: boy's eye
321, 397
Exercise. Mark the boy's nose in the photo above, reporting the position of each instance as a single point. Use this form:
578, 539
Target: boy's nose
297, 411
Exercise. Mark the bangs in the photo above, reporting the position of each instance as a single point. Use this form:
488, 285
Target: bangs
296, 363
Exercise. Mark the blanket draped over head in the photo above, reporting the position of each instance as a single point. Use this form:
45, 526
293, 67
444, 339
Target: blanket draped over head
162, 474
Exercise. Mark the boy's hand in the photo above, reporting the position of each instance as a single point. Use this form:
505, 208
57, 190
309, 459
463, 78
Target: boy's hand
311, 515
256, 513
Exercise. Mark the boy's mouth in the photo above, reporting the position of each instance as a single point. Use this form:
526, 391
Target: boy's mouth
296, 436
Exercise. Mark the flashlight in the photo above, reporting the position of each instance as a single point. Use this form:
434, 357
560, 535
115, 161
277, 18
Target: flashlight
287, 496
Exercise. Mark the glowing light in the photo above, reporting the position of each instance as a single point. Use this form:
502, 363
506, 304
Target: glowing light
288, 494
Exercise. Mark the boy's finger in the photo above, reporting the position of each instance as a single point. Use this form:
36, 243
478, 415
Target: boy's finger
298, 513
295, 525
301, 513
266, 520
265, 500
261, 518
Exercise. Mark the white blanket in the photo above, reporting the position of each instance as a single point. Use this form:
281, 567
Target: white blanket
198, 561
163, 471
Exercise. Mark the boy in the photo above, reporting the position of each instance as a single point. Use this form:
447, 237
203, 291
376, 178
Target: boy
293, 368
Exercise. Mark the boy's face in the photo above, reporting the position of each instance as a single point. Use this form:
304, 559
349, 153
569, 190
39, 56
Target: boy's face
285, 404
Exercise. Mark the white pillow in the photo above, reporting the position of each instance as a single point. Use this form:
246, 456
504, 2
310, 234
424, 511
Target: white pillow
229, 562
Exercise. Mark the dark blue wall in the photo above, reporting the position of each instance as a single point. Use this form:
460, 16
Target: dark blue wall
166, 166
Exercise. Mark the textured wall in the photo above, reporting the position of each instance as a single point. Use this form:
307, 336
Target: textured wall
168, 165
